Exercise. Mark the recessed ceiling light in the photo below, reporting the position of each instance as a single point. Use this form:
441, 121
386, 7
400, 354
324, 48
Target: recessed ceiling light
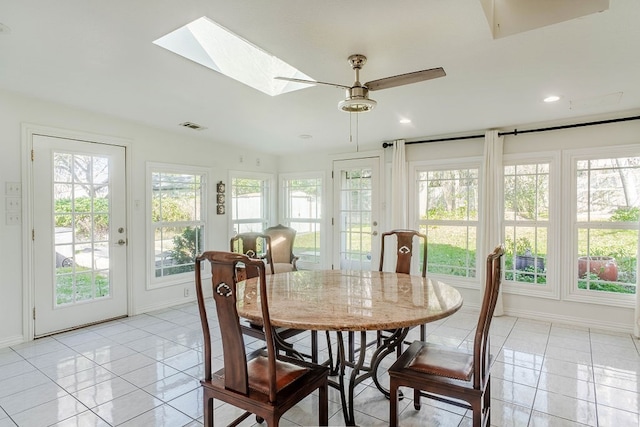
209, 44
552, 98
405, 121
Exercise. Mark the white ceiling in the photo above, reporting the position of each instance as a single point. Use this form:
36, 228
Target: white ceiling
99, 56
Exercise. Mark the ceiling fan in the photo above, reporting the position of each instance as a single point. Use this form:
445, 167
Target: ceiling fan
357, 100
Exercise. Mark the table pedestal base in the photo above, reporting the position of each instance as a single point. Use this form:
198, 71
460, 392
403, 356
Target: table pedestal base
360, 371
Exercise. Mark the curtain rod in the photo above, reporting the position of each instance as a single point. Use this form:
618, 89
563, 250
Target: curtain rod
516, 132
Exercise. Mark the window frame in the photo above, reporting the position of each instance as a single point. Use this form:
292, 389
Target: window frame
571, 292
552, 288
267, 202
285, 219
154, 282
414, 216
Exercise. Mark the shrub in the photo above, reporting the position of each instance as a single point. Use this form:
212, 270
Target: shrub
186, 247
626, 214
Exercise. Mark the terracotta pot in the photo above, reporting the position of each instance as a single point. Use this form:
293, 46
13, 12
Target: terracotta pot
604, 266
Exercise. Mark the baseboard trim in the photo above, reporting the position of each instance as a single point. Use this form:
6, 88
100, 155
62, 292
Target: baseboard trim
14, 340
558, 318
162, 305
570, 320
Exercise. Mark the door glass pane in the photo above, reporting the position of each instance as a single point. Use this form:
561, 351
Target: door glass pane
355, 217
81, 232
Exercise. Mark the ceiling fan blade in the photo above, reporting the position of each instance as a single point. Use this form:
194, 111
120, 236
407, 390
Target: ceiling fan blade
311, 82
405, 79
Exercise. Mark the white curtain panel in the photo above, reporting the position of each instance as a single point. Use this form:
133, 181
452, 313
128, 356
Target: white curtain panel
491, 231
399, 186
636, 326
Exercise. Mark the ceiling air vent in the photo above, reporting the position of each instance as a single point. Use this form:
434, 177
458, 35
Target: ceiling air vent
192, 126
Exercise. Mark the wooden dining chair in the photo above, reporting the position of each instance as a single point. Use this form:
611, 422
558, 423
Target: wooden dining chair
254, 245
453, 375
404, 255
258, 246
282, 240
263, 383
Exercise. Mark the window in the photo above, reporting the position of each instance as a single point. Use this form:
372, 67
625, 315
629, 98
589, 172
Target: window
526, 222
448, 215
302, 211
251, 202
177, 213
607, 208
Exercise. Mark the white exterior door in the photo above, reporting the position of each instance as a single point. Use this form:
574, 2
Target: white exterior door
356, 214
79, 233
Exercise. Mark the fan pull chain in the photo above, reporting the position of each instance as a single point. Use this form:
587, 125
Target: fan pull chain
351, 114
357, 132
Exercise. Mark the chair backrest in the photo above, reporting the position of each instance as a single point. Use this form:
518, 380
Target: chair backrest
282, 239
405, 250
254, 245
481, 356
223, 282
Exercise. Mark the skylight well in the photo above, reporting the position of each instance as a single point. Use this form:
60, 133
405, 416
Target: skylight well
207, 43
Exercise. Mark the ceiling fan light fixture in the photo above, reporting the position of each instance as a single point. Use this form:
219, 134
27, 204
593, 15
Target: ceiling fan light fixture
357, 105
357, 100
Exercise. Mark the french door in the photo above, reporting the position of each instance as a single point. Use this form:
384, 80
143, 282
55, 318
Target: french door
79, 233
357, 214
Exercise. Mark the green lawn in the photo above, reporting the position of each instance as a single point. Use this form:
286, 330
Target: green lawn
84, 283
451, 258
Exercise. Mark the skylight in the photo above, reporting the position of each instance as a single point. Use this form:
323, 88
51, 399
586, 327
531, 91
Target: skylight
207, 43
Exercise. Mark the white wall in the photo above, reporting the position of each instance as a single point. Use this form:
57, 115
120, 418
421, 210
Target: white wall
147, 145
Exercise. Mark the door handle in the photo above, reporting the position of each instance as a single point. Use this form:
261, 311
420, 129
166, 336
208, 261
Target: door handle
375, 233
122, 242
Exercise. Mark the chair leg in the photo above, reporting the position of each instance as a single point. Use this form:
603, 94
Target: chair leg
487, 401
272, 420
208, 411
477, 412
416, 399
393, 404
423, 333
323, 415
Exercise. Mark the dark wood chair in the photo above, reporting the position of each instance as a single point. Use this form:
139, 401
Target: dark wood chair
452, 375
404, 255
254, 245
282, 239
258, 246
263, 383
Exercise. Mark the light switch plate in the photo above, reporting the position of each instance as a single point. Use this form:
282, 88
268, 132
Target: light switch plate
14, 218
12, 189
13, 204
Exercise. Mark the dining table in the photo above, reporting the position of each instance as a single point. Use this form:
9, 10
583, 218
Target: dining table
351, 301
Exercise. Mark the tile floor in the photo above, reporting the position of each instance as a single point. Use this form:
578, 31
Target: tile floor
144, 371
